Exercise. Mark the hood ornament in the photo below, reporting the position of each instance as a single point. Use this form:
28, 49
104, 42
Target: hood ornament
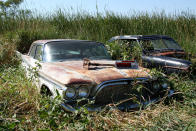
87, 63
118, 64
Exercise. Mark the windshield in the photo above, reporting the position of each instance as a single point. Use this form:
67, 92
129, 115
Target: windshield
160, 44
74, 50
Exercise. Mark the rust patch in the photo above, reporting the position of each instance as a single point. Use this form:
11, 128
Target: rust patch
79, 81
168, 53
104, 75
142, 72
72, 72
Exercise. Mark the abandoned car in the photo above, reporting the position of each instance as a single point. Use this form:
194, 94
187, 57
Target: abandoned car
83, 72
157, 51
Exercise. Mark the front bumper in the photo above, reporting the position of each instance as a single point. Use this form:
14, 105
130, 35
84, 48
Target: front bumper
123, 106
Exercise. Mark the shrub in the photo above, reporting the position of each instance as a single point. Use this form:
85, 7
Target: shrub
8, 55
26, 37
124, 50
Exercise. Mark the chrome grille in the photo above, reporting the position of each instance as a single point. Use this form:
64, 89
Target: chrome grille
116, 92
112, 94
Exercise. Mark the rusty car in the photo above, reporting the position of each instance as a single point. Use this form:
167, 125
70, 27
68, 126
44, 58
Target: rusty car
158, 51
82, 72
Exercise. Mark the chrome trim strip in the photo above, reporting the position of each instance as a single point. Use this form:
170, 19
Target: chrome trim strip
127, 79
115, 82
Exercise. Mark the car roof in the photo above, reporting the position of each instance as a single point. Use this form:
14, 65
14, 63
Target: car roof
59, 40
138, 37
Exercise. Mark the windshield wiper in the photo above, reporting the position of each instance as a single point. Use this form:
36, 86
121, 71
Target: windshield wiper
98, 57
70, 59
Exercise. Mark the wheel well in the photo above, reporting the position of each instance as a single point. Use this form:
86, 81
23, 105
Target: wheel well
45, 91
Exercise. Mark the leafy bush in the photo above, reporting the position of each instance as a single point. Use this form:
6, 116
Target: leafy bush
124, 50
26, 37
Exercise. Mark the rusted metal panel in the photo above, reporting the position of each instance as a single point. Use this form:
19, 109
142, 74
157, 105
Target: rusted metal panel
73, 72
168, 53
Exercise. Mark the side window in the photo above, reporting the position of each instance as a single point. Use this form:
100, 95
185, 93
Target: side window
147, 45
38, 54
32, 53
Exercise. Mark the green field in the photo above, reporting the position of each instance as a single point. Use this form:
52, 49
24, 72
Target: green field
23, 108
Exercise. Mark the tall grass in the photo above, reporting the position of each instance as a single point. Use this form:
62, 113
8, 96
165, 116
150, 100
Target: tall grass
101, 27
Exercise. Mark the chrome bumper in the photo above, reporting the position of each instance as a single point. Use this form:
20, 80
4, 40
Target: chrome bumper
69, 108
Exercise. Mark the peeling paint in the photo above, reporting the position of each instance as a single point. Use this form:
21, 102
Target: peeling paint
71, 71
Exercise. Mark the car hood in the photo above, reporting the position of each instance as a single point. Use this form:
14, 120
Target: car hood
72, 72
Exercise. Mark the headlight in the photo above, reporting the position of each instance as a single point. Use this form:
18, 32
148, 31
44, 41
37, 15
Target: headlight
70, 93
83, 92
